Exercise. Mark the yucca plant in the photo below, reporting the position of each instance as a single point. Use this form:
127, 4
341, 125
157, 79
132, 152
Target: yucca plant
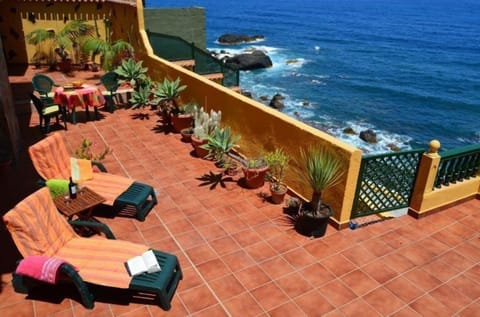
220, 143
320, 169
132, 72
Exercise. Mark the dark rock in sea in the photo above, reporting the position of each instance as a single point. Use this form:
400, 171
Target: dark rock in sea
264, 98
254, 60
247, 93
276, 102
232, 39
306, 103
349, 130
393, 147
291, 61
368, 136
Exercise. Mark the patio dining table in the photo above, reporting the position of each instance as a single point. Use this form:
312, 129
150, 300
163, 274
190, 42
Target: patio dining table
84, 96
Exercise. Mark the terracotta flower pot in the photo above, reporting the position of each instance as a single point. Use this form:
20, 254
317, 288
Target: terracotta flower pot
196, 145
187, 135
255, 177
181, 121
278, 193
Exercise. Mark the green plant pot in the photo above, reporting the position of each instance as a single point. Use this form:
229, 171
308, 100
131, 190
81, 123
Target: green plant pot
311, 225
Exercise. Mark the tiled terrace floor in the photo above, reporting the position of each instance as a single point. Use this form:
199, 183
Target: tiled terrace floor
239, 255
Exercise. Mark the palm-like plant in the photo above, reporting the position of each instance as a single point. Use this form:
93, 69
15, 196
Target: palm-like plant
65, 39
109, 51
167, 93
320, 169
132, 72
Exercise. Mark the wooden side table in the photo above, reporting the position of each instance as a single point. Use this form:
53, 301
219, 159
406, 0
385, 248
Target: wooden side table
81, 206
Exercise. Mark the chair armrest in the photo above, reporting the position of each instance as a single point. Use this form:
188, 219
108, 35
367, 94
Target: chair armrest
93, 224
100, 166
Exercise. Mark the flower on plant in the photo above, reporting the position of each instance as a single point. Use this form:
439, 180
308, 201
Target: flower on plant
86, 151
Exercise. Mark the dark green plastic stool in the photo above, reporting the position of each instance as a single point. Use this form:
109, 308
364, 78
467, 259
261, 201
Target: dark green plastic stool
137, 195
163, 283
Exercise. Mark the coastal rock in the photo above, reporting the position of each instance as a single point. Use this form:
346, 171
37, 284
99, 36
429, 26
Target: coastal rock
368, 136
291, 61
247, 93
277, 102
264, 98
349, 130
232, 39
393, 147
249, 61
306, 103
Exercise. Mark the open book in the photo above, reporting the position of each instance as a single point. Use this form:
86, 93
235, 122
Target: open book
145, 263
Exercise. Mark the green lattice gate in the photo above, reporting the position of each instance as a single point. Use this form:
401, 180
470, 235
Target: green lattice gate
385, 182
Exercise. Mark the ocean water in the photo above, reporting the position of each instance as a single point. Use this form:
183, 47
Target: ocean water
408, 69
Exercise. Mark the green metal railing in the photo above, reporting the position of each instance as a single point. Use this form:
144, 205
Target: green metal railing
174, 48
385, 182
458, 165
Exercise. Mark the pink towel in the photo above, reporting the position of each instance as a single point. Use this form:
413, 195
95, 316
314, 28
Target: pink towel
40, 267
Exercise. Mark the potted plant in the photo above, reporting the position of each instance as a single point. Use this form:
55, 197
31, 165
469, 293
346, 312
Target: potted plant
141, 98
167, 93
131, 73
66, 39
204, 125
219, 144
320, 169
254, 171
277, 162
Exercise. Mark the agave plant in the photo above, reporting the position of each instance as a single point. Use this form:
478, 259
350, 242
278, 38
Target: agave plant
167, 93
320, 169
141, 97
132, 72
220, 143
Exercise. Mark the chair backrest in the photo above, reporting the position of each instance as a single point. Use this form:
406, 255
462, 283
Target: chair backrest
50, 157
42, 83
37, 228
110, 81
37, 103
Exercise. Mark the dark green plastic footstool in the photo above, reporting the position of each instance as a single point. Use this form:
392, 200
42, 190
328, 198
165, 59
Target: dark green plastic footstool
137, 195
163, 283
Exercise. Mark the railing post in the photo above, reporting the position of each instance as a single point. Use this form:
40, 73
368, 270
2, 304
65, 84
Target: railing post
427, 172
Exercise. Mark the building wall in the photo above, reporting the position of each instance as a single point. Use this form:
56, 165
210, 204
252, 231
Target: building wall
187, 23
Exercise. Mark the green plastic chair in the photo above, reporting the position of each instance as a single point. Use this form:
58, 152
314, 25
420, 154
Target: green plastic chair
48, 110
110, 81
43, 85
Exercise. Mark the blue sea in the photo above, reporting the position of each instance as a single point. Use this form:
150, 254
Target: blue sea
407, 69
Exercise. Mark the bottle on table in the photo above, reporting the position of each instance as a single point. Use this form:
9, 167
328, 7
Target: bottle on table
72, 189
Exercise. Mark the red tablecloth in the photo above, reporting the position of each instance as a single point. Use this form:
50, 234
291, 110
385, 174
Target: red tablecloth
87, 96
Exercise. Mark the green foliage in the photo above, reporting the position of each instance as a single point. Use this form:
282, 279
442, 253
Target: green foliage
132, 72
166, 94
320, 169
220, 143
85, 151
141, 97
277, 162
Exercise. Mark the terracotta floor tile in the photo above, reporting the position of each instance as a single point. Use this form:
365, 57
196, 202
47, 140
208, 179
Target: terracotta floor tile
450, 297
238, 260
470, 310
469, 250
359, 282
269, 296
247, 237
441, 270
216, 310
457, 260
434, 246
314, 304
268, 230
320, 249
406, 312
213, 269
317, 274
359, 307
404, 289
379, 271
233, 225
422, 279
417, 254
252, 277
261, 251
299, 258
383, 301
428, 306
197, 298
154, 234
212, 232
287, 309
243, 305
378, 247
294, 285
398, 262
180, 226
224, 245
447, 237
191, 279
189, 239
338, 264
200, 254
276, 267
226, 287
200, 219
466, 286
281, 244
474, 273
359, 255
337, 293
